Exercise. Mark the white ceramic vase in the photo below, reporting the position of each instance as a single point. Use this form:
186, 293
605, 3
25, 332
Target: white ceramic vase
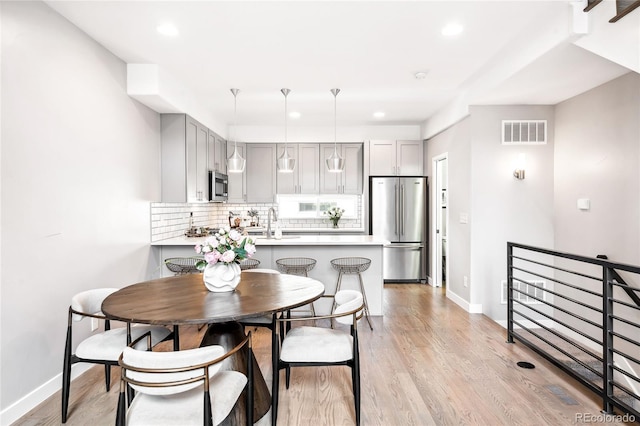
221, 276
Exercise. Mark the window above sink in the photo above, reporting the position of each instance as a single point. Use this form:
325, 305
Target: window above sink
296, 206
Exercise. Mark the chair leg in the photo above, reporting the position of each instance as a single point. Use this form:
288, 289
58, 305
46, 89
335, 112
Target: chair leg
122, 410
208, 419
130, 394
176, 338
364, 298
356, 381
275, 385
334, 304
287, 326
287, 375
66, 376
249, 401
107, 376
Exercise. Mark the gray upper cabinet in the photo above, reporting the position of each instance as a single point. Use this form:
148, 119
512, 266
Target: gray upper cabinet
305, 178
261, 172
216, 153
395, 158
349, 181
237, 191
184, 159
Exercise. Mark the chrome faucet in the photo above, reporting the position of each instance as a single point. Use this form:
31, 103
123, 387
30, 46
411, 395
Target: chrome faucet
275, 217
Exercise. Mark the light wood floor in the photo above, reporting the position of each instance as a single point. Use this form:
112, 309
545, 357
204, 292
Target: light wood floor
427, 362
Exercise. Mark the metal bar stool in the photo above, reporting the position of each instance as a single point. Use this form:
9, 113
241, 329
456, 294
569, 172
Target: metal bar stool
353, 266
249, 264
182, 265
297, 266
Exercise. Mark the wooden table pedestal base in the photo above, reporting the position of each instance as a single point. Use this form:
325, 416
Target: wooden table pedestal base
229, 335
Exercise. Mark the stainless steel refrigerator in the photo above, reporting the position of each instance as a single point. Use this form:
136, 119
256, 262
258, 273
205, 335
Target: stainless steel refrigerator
398, 213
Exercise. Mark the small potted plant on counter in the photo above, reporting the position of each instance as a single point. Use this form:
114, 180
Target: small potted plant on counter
255, 218
334, 213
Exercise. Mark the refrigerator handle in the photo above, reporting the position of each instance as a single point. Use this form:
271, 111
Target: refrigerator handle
402, 208
395, 203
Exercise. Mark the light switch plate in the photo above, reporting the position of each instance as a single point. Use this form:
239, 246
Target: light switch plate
464, 217
584, 204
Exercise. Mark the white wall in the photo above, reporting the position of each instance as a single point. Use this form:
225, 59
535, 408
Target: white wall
503, 207
80, 166
456, 142
597, 157
500, 207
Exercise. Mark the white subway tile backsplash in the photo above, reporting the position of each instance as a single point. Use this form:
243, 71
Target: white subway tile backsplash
170, 220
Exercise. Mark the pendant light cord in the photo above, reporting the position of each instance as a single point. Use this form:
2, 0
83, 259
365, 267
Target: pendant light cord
335, 119
335, 163
235, 121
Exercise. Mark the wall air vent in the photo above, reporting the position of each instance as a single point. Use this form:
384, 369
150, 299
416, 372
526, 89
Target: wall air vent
531, 288
524, 132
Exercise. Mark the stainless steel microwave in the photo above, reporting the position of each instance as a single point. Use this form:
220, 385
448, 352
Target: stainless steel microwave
218, 187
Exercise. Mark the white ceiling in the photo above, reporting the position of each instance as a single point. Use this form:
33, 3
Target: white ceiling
370, 50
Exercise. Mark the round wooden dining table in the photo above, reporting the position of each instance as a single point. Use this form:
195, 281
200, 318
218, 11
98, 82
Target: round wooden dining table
184, 299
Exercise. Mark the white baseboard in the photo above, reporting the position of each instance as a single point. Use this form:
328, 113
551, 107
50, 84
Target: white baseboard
39, 395
472, 308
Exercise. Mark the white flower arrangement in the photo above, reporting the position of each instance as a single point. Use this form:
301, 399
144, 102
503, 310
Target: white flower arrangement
334, 213
226, 246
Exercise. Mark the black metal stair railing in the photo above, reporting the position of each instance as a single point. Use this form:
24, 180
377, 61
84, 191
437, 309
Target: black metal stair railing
581, 315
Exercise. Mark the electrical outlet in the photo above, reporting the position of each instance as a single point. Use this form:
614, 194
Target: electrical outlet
95, 323
465, 281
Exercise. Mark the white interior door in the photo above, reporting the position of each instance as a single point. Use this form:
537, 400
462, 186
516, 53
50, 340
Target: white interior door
440, 199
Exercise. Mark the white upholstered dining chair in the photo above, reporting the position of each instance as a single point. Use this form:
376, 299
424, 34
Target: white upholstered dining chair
100, 348
183, 388
310, 346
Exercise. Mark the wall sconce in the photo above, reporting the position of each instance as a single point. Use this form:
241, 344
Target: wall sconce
520, 165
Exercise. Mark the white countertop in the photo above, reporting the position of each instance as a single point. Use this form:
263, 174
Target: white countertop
289, 240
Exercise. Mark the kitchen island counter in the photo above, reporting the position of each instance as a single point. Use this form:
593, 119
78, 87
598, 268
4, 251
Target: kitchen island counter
322, 248
288, 240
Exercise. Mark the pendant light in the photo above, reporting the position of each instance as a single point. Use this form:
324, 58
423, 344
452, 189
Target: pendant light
285, 163
335, 163
235, 163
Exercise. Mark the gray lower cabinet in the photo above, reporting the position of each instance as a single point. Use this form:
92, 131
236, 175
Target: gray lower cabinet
305, 178
184, 159
237, 191
349, 181
261, 173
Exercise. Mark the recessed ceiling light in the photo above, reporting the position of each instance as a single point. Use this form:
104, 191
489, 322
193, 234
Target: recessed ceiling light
452, 29
378, 114
294, 114
420, 75
167, 29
